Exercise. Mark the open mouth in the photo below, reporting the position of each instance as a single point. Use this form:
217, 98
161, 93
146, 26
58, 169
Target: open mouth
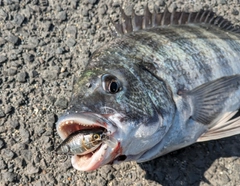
99, 156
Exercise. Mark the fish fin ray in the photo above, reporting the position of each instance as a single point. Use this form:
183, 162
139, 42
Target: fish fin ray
126, 22
118, 28
226, 127
136, 21
184, 18
208, 99
133, 22
166, 19
147, 18
115, 29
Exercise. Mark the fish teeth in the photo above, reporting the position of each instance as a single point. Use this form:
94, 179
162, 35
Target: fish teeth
71, 122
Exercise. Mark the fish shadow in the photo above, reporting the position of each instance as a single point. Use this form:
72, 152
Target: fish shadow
187, 166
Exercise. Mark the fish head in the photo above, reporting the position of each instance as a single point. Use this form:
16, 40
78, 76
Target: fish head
116, 100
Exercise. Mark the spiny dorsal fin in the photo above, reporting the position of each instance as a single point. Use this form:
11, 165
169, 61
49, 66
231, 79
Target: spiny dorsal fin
131, 23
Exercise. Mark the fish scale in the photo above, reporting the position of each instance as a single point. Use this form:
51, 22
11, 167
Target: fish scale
218, 46
207, 52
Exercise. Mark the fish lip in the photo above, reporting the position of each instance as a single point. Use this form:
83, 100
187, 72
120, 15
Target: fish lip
91, 163
104, 154
102, 157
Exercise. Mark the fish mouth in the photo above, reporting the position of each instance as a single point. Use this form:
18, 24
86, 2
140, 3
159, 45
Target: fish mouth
104, 154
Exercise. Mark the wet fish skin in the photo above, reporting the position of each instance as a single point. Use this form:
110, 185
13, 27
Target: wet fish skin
176, 85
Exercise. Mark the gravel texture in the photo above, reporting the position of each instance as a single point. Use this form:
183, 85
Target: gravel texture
43, 44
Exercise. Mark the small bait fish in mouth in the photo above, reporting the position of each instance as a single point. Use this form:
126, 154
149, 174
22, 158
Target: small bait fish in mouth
83, 142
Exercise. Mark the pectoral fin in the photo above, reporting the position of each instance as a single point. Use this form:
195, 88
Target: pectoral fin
216, 105
210, 99
228, 126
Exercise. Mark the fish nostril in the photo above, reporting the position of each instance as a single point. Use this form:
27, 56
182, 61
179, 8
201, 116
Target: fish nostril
121, 158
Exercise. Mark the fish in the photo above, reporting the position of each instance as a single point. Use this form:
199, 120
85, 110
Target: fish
165, 81
82, 142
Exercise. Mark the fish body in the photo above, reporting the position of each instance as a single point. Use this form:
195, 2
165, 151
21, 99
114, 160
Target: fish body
82, 142
158, 88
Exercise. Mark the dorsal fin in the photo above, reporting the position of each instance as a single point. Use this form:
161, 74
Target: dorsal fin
131, 23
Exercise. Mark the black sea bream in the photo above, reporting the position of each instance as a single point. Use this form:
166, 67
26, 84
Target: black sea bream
166, 81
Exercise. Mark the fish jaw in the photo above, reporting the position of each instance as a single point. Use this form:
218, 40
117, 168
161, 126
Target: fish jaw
101, 157
105, 154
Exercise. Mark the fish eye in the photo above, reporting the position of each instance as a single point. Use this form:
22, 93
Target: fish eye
113, 87
111, 84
